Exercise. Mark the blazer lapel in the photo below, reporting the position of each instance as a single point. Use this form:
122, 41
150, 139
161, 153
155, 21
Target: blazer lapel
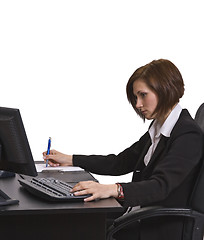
158, 151
139, 167
140, 163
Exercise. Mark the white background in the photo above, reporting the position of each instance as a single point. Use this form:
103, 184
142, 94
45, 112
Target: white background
65, 65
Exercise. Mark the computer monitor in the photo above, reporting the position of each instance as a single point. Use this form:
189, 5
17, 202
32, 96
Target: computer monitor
15, 152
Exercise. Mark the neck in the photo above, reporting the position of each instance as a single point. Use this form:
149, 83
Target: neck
162, 119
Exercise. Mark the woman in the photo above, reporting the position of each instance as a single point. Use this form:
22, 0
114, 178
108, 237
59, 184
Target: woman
164, 161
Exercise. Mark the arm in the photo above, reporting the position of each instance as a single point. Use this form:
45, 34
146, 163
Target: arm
176, 166
172, 174
87, 187
110, 164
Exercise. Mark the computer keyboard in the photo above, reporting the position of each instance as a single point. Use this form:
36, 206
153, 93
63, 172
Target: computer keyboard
50, 189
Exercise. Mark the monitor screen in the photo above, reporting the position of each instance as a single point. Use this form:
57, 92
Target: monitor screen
15, 152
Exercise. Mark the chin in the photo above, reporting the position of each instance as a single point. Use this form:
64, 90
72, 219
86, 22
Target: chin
149, 117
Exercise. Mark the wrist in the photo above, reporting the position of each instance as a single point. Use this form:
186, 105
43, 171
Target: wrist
114, 190
65, 160
120, 192
71, 160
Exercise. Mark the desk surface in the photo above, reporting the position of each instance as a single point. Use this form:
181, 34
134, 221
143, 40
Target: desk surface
63, 218
30, 204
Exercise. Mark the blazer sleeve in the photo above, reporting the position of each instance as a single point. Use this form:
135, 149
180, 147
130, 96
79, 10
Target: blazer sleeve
112, 164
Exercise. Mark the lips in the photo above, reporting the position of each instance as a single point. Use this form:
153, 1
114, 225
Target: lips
144, 112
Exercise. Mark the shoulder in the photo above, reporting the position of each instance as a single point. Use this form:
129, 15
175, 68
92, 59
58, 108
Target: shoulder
186, 124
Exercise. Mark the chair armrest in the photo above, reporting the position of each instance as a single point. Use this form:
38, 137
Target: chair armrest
149, 212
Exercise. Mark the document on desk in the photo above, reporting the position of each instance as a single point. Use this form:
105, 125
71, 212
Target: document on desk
41, 167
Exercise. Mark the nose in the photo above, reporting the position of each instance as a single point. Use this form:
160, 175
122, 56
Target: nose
139, 103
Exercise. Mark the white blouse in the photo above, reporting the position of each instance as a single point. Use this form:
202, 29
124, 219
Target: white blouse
156, 130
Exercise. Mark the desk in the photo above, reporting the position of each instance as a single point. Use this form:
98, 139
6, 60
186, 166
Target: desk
37, 219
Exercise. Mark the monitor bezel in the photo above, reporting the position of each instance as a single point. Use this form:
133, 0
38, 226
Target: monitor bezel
15, 154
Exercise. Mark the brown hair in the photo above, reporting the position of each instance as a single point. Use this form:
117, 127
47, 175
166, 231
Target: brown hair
164, 79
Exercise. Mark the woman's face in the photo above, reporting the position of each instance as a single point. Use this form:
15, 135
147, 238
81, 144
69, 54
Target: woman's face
146, 99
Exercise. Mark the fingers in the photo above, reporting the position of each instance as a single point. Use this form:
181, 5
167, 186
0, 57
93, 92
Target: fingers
58, 158
84, 188
53, 164
86, 192
52, 156
92, 198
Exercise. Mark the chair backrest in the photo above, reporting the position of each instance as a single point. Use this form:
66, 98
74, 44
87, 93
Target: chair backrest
199, 117
197, 198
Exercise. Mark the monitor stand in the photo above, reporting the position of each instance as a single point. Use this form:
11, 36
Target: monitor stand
4, 198
6, 174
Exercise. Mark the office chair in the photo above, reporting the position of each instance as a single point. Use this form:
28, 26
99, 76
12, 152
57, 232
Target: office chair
193, 230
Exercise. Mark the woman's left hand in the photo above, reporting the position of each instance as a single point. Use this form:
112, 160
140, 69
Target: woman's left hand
97, 190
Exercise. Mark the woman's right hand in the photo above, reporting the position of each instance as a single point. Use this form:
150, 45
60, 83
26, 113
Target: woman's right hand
56, 159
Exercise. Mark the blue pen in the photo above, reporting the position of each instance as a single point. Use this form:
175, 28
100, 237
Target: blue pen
48, 149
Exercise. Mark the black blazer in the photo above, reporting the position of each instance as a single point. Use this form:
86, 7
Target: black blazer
168, 178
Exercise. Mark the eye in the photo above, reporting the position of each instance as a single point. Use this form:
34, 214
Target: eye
143, 94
